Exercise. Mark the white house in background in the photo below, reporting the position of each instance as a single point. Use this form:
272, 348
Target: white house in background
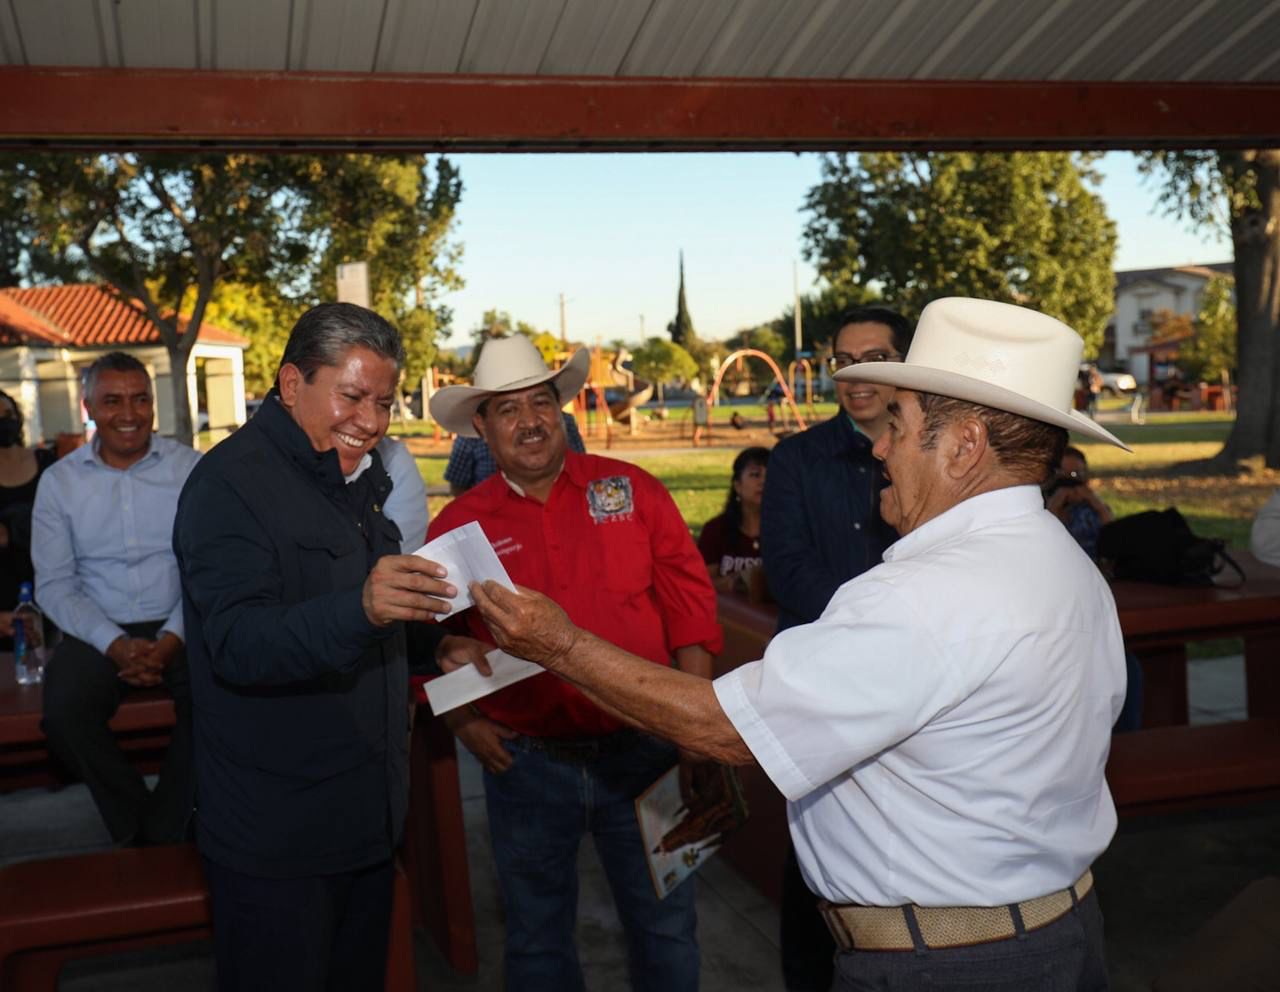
50, 334
1142, 293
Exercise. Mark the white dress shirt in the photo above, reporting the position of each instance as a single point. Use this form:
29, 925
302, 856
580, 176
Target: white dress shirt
102, 541
941, 731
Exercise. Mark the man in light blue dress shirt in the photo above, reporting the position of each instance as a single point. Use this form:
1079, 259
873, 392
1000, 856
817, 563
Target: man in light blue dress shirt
101, 544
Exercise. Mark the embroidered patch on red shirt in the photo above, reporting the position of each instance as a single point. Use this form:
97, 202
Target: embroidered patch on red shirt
610, 499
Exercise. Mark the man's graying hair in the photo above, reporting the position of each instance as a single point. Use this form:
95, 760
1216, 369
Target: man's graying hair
112, 361
326, 332
1029, 447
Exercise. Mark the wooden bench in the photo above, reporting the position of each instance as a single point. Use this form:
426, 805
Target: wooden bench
1164, 769
435, 849
56, 911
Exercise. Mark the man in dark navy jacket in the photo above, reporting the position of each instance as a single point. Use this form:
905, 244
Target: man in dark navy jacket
295, 597
820, 527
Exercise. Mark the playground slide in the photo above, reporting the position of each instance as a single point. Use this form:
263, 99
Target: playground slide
639, 391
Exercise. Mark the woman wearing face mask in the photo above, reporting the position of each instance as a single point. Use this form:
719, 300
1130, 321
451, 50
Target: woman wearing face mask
20, 470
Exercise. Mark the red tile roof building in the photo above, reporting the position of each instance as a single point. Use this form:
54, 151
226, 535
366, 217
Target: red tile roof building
85, 316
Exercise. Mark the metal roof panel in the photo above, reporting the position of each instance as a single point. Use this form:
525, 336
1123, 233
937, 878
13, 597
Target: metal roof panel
754, 37
425, 37
931, 36
336, 35
675, 37
10, 37
246, 34
1129, 32
62, 32
1253, 42
510, 38
999, 27
156, 33
837, 32
593, 37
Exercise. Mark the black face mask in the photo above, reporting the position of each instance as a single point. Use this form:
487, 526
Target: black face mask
10, 432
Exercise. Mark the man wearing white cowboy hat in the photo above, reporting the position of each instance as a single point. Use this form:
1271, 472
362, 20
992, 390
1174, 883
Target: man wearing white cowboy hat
941, 731
605, 541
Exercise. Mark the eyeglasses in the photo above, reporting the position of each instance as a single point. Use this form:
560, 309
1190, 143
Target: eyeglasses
840, 360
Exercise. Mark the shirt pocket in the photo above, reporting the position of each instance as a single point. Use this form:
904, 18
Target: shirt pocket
329, 563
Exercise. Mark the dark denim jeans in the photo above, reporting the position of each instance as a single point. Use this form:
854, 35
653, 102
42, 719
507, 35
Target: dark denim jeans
539, 811
1066, 956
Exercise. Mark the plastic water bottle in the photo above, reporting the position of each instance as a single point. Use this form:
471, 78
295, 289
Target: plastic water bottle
28, 638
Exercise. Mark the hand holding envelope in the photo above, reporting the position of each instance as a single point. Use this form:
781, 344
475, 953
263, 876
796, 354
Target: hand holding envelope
467, 555
466, 684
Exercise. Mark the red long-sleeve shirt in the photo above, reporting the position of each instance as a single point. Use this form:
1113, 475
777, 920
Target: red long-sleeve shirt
611, 548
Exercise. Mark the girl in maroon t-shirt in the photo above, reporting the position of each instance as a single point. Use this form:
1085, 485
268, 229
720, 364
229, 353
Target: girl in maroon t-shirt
730, 543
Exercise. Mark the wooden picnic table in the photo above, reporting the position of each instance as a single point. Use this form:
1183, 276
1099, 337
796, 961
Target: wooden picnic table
1158, 622
434, 850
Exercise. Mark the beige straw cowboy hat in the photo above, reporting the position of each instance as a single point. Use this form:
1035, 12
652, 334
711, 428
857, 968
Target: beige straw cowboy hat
994, 354
506, 365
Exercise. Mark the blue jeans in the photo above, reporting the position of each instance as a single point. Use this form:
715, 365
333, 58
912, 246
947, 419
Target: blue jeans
539, 810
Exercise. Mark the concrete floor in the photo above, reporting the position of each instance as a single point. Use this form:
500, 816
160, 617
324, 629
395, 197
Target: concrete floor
1160, 880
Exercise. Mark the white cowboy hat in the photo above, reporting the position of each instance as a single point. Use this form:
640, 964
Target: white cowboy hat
993, 354
506, 365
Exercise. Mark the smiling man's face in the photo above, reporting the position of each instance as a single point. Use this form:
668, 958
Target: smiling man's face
345, 407
867, 404
525, 432
122, 408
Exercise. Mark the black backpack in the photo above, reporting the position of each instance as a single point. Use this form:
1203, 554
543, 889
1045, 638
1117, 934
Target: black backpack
1159, 546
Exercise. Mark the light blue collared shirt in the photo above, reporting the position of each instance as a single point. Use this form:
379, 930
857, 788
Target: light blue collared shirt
102, 541
407, 504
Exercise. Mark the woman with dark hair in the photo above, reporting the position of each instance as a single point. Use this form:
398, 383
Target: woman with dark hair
20, 470
730, 543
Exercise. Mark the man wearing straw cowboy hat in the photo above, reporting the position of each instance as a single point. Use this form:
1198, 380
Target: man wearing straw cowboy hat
941, 731
604, 540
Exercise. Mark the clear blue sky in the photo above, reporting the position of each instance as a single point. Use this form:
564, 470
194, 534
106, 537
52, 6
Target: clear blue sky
606, 231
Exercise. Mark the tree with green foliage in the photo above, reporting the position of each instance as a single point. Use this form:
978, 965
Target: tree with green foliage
1210, 356
396, 213
708, 355
166, 228
681, 327
1020, 227
1238, 191
765, 338
261, 315
661, 361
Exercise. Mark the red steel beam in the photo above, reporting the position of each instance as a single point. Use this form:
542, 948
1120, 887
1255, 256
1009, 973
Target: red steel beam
157, 108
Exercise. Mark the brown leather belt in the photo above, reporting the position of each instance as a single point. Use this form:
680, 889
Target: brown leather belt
887, 928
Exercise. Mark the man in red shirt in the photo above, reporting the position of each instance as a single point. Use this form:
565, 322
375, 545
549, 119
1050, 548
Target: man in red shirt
604, 539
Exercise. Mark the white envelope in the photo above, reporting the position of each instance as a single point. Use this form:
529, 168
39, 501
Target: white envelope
468, 557
463, 685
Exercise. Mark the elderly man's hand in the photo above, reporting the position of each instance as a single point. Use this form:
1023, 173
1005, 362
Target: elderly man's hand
525, 623
456, 651
405, 587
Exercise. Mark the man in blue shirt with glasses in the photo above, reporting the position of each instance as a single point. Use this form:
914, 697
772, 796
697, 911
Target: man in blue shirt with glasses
820, 527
